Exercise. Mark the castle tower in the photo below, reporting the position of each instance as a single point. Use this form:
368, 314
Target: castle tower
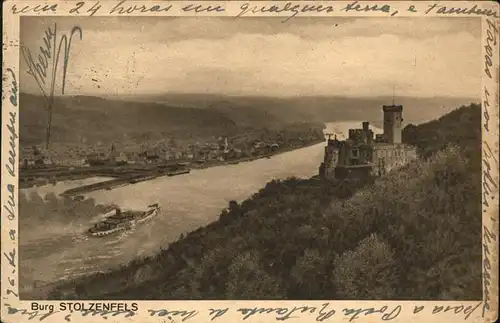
368, 133
366, 126
393, 121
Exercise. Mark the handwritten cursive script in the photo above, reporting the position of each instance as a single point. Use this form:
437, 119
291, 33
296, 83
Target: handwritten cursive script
355, 6
294, 9
30, 314
104, 313
489, 183
9, 204
323, 313
487, 242
387, 314
486, 106
13, 87
39, 70
186, 315
51, 49
474, 10
282, 313
489, 238
11, 127
121, 8
11, 258
491, 39
35, 9
489, 163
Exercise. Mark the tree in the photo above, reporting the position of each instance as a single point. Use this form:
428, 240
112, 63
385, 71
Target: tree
247, 279
410, 134
233, 206
308, 276
368, 272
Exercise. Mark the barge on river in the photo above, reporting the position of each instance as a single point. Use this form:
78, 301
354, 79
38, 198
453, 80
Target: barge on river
118, 221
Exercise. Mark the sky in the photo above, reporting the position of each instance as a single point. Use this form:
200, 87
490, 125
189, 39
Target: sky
366, 57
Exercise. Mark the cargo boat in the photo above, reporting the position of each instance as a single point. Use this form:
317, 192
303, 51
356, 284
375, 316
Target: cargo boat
118, 221
142, 178
179, 172
106, 185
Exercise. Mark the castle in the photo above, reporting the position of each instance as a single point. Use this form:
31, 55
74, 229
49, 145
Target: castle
363, 155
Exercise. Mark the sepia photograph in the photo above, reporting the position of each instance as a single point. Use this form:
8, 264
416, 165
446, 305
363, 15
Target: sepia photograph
208, 158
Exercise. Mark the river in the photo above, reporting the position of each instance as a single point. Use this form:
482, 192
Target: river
54, 251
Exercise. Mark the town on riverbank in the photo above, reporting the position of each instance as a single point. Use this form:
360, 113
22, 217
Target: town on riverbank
130, 165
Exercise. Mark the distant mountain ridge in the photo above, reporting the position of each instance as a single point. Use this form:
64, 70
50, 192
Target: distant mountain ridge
317, 108
90, 119
84, 119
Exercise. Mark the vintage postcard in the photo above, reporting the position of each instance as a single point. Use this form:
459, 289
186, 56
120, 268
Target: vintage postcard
183, 161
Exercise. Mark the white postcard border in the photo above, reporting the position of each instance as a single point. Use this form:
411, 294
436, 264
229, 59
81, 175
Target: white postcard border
14, 310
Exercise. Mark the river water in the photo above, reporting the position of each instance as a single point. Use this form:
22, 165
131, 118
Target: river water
188, 202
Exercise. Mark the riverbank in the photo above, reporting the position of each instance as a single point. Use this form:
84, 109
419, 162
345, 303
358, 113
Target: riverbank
249, 159
130, 174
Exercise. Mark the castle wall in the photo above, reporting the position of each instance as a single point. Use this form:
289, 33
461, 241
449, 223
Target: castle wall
331, 160
388, 157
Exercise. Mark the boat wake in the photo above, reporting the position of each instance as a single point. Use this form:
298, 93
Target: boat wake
80, 238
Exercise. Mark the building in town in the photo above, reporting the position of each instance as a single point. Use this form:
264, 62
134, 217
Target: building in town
362, 155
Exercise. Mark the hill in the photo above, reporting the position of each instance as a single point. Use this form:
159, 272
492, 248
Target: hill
313, 108
84, 119
459, 127
92, 120
413, 234
88, 120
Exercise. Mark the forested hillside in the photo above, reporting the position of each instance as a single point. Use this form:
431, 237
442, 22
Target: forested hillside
413, 234
132, 120
460, 127
87, 120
